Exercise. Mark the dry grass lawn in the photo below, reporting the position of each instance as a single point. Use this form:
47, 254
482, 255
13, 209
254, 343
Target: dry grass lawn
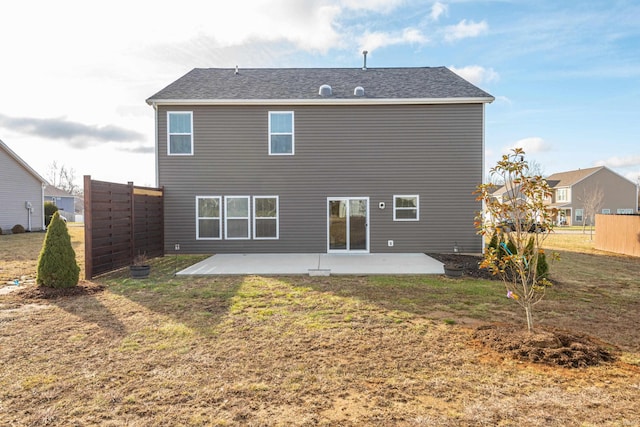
302, 351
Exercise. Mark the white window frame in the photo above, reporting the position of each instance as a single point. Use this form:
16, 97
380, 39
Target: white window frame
624, 211
256, 217
582, 218
292, 133
227, 217
606, 211
169, 133
417, 208
219, 218
565, 191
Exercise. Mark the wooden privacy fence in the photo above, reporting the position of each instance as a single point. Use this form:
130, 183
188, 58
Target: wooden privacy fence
121, 221
618, 233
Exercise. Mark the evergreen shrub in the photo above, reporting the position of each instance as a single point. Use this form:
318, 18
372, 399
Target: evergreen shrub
49, 210
57, 266
17, 229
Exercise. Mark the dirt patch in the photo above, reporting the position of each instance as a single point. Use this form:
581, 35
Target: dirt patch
470, 264
546, 345
41, 292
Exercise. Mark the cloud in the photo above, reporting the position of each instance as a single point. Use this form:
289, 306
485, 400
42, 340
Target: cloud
620, 162
476, 74
76, 135
140, 149
438, 9
376, 40
531, 145
463, 30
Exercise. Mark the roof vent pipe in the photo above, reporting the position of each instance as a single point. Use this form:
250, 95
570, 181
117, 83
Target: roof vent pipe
237, 70
364, 67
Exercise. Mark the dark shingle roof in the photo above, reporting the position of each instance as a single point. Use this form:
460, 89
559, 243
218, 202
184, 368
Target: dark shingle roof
203, 84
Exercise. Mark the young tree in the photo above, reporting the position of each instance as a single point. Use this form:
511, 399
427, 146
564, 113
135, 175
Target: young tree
57, 266
592, 200
517, 223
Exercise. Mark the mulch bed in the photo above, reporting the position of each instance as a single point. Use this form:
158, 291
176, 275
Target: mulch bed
41, 292
547, 346
469, 263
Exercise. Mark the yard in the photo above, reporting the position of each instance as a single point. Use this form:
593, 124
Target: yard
308, 351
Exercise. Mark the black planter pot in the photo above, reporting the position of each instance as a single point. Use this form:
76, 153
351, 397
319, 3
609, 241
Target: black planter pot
453, 270
139, 271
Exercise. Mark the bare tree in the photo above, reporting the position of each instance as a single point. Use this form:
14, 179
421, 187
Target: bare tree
591, 199
63, 178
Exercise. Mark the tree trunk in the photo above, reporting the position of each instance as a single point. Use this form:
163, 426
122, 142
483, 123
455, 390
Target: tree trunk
527, 309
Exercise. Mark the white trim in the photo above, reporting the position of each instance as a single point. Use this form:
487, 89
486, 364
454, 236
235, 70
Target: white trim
359, 101
227, 217
395, 209
169, 153
347, 250
219, 218
277, 218
293, 133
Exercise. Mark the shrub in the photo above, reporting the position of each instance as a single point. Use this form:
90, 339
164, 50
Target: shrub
57, 266
17, 229
49, 210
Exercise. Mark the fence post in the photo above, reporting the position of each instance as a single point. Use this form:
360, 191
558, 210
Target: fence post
88, 230
132, 226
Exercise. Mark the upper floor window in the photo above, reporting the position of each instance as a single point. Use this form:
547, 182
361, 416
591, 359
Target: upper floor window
281, 133
562, 195
179, 133
405, 208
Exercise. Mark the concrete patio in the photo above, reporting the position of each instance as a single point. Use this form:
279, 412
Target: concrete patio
316, 264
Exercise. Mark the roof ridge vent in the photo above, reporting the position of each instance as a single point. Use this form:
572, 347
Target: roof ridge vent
325, 90
358, 91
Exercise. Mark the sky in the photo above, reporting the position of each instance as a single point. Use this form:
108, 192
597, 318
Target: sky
75, 74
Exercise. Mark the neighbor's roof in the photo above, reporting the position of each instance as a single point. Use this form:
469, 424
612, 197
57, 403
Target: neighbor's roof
426, 84
569, 178
52, 191
21, 162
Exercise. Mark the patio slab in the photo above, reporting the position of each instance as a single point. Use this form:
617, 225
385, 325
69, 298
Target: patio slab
316, 264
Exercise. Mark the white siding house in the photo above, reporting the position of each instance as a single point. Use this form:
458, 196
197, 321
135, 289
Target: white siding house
21, 193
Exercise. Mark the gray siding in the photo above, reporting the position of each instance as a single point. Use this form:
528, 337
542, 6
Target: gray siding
619, 192
434, 151
18, 186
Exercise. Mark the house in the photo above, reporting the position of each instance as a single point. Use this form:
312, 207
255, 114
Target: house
606, 191
21, 193
320, 160
65, 201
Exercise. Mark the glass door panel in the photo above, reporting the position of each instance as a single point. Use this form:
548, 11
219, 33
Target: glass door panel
337, 224
358, 224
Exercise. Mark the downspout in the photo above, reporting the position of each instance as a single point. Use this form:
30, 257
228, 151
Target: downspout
42, 207
483, 207
155, 144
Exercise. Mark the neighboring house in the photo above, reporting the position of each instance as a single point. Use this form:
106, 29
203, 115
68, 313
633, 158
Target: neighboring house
320, 160
21, 193
65, 201
572, 190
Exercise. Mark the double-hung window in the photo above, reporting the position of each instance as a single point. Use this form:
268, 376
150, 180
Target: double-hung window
562, 195
406, 208
236, 218
265, 217
579, 215
281, 133
180, 133
208, 220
